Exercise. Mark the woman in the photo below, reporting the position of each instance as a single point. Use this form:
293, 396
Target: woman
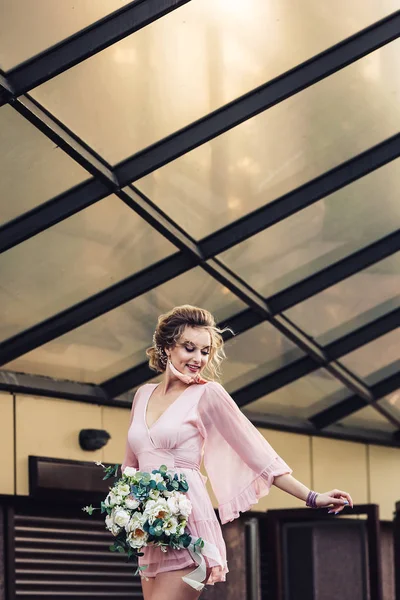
186, 418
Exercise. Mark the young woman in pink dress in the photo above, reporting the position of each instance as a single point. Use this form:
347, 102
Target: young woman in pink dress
187, 417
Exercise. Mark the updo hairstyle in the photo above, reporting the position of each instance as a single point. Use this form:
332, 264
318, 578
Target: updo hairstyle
170, 328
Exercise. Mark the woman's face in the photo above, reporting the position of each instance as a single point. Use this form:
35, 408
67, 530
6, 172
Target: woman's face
191, 353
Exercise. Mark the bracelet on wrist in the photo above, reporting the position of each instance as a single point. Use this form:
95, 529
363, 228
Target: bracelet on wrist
312, 499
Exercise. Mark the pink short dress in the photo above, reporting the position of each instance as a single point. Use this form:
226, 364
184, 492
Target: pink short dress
204, 421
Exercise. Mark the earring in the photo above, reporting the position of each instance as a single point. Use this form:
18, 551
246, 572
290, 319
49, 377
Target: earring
162, 357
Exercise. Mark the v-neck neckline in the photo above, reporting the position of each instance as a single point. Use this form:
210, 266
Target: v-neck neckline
166, 410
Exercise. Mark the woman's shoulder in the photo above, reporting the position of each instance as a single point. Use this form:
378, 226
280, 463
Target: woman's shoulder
212, 389
213, 385
141, 389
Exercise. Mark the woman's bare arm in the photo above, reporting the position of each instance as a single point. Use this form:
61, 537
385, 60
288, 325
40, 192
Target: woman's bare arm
335, 498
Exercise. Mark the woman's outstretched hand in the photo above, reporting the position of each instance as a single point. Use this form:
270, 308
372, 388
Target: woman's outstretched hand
336, 499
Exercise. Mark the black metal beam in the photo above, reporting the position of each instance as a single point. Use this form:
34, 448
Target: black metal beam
258, 100
332, 351
83, 195
245, 321
301, 197
334, 273
96, 305
56, 131
354, 403
124, 291
48, 214
6, 92
71, 318
95, 165
135, 376
91, 40
364, 334
20, 383
304, 427
275, 380
285, 326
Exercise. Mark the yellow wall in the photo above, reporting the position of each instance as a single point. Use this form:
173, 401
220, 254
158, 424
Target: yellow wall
6, 443
116, 422
296, 451
384, 468
50, 427
47, 427
341, 465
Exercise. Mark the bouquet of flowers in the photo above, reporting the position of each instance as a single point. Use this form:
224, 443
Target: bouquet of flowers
145, 509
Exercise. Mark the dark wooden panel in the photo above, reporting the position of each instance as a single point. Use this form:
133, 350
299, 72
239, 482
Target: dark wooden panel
52, 477
2, 558
387, 553
397, 549
64, 554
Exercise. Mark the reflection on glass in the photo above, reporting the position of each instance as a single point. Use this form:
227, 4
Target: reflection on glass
391, 404
32, 168
255, 353
368, 418
393, 400
74, 259
375, 355
143, 88
321, 234
27, 28
117, 340
369, 291
283, 147
302, 398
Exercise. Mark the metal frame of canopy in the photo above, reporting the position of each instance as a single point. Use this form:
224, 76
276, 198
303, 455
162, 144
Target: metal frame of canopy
119, 180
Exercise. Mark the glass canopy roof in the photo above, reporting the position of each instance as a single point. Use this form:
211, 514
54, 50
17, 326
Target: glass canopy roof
243, 157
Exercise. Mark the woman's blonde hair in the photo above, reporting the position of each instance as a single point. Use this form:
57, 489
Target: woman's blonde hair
170, 328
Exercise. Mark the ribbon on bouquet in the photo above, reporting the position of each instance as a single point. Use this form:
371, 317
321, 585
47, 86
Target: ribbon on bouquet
195, 578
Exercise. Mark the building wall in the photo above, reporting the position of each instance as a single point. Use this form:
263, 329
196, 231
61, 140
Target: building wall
50, 427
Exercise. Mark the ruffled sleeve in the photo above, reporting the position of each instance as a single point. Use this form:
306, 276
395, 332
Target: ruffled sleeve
239, 461
130, 458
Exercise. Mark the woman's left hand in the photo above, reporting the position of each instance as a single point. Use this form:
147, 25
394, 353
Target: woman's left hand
335, 498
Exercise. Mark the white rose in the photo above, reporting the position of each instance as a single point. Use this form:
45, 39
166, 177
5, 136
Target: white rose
111, 526
185, 506
131, 502
149, 505
170, 526
157, 477
137, 520
154, 494
137, 538
121, 517
156, 509
173, 505
112, 500
130, 471
123, 489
